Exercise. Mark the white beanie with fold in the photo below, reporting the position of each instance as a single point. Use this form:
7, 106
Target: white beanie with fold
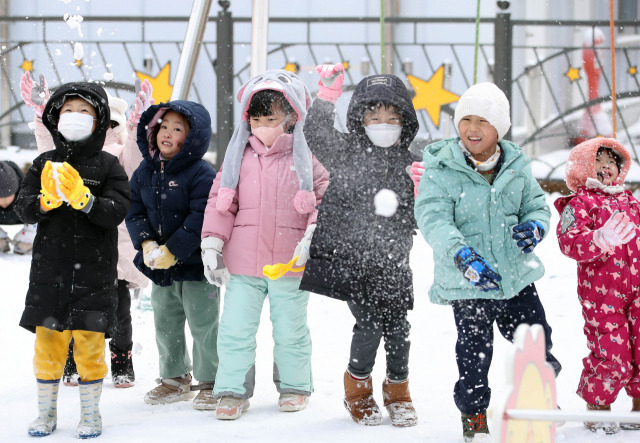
485, 100
118, 107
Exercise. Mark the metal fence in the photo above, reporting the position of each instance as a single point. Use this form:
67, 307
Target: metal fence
553, 102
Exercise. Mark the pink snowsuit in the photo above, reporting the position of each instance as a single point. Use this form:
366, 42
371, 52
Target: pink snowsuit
608, 284
262, 226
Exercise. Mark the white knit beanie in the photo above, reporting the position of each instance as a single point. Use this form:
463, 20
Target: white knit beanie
118, 108
485, 100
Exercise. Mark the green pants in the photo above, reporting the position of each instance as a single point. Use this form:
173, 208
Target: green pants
243, 302
197, 302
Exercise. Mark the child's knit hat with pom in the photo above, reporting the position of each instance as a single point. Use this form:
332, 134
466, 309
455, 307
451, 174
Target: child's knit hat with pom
485, 100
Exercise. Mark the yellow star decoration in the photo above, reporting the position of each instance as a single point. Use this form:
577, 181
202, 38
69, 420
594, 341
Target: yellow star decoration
431, 95
27, 65
573, 74
345, 65
78, 63
161, 87
292, 67
633, 70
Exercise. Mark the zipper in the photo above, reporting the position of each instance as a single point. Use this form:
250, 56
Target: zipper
159, 197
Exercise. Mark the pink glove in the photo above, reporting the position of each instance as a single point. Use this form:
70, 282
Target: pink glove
142, 101
416, 170
34, 95
618, 230
331, 81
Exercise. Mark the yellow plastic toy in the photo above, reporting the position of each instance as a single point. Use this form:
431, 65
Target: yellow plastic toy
276, 271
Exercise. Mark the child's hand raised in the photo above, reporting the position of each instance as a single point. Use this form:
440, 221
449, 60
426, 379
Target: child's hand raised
331, 81
35, 95
142, 101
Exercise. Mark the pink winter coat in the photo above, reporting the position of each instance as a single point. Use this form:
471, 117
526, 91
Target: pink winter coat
262, 226
608, 284
129, 157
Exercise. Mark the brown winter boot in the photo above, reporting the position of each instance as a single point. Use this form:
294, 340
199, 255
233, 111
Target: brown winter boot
632, 426
358, 399
397, 400
608, 427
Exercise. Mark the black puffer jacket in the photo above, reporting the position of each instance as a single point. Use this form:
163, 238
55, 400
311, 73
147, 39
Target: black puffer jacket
356, 253
8, 215
72, 284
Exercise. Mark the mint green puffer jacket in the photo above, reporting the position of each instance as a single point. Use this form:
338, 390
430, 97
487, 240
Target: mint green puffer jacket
457, 207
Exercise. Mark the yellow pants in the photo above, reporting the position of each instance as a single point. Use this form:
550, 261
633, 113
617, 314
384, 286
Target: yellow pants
52, 348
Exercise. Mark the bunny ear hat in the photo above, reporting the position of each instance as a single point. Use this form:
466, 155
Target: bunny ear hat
299, 97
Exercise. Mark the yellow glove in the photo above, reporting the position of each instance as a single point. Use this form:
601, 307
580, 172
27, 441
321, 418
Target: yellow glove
148, 246
165, 259
73, 187
49, 198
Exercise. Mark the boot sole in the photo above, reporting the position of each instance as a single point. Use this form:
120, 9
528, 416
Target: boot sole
164, 401
35, 433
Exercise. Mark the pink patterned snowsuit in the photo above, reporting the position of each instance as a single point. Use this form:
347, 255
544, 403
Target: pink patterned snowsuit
608, 284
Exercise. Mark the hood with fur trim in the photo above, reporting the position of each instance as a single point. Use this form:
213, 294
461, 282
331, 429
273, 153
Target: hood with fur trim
299, 97
97, 97
581, 163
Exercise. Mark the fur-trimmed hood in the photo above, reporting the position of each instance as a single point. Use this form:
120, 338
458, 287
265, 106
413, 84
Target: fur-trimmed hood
581, 164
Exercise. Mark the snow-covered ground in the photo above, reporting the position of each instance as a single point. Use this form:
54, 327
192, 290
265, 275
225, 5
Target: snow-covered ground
127, 418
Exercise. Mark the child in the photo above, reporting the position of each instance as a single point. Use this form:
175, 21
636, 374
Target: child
10, 179
483, 213
598, 222
72, 286
261, 206
168, 196
356, 255
121, 142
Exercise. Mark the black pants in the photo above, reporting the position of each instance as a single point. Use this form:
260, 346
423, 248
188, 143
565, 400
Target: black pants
123, 336
474, 348
373, 323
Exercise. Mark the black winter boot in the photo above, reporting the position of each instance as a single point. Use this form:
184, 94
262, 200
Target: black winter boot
70, 375
122, 373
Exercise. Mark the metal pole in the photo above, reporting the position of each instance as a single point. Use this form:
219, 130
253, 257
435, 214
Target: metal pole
224, 73
503, 44
191, 49
259, 36
5, 91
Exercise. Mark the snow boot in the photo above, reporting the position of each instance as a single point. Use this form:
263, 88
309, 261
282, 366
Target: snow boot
292, 402
70, 375
23, 240
170, 390
359, 401
231, 408
633, 426
5, 242
397, 400
90, 425
475, 428
204, 401
608, 427
122, 373
47, 419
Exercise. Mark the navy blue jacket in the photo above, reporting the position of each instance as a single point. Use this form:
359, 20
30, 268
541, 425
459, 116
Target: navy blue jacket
168, 197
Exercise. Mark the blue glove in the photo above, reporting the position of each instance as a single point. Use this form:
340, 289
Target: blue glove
476, 270
528, 235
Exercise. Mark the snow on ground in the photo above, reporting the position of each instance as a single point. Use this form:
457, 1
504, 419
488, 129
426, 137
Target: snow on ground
433, 372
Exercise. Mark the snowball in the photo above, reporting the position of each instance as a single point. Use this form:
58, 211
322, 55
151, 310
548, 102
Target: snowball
386, 202
99, 32
56, 177
73, 21
108, 76
78, 51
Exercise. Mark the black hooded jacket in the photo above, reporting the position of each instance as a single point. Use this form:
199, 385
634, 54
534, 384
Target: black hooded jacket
73, 279
8, 215
356, 254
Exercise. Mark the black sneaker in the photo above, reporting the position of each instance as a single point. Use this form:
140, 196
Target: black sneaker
70, 375
475, 424
122, 373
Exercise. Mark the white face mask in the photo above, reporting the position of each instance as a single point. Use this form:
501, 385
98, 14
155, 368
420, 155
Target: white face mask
75, 126
383, 134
